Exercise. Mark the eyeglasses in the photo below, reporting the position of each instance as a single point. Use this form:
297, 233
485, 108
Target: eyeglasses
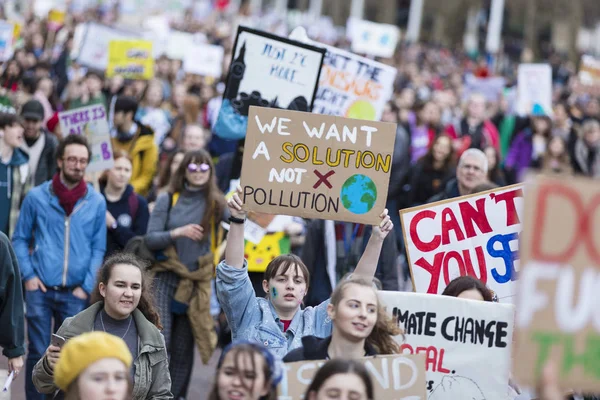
75, 160
193, 167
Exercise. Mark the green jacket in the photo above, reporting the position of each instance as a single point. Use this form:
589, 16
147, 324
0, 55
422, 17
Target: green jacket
12, 319
152, 380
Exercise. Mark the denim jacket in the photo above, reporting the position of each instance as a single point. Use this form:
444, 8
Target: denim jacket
254, 318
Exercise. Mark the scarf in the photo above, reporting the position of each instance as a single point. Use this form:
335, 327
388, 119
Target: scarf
67, 198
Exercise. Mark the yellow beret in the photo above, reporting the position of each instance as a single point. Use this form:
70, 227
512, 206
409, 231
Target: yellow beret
83, 350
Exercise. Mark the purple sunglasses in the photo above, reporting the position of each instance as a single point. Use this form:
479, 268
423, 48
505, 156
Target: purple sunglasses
193, 167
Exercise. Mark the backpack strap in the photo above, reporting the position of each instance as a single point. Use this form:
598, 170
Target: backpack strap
134, 204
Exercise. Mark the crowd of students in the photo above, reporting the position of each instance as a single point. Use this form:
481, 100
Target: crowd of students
174, 182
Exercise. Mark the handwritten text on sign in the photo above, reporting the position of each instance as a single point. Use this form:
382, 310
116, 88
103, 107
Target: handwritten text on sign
558, 316
316, 166
397, 377
462, 340
472, 235
130, 58
353, 86
91, 122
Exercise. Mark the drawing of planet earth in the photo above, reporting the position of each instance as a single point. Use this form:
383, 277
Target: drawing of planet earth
359, 194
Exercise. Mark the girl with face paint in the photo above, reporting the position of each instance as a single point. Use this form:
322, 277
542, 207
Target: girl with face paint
278, 321
361, 326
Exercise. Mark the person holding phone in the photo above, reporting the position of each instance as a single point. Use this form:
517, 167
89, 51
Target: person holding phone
122, 306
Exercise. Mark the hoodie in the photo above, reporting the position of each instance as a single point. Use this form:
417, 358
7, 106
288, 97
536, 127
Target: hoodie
13, 178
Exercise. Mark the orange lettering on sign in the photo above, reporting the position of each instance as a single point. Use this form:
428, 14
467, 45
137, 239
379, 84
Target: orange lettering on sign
346, 82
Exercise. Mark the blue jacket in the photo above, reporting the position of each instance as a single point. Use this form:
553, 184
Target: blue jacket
254, 318
58, 259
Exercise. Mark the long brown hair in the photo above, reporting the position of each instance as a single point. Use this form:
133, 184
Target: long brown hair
382, 336
215, 200
248, 349
146, 304
164, 177
450, 160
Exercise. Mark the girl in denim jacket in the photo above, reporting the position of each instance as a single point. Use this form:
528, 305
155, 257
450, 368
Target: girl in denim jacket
278, 321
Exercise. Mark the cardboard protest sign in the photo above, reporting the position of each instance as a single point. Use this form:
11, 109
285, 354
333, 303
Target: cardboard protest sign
352, 86
557, 300
6, 40
534, 90
93, 41
267, 71
394, 377
473, 235
467, 344
316, 166
90, 121
372, 38
130, 58
205, 60
589, 71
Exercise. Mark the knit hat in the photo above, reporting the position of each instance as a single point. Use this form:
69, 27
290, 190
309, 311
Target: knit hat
52, 122
83, 350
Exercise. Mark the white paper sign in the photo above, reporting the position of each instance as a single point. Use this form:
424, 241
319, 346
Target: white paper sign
93, 49
535, 90
204, 59
474, 235
372, 38
6, 39
467, 343
352, 86
90, 121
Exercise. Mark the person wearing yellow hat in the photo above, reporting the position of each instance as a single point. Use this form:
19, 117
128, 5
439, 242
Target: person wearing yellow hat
94, 366
122, 305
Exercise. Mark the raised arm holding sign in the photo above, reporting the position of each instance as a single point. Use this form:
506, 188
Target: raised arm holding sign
286, 283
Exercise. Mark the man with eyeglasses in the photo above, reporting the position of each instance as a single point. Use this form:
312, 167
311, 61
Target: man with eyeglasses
470, 173
65, 218
39, 144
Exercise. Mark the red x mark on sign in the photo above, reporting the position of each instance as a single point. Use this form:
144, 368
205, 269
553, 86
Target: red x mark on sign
323, 179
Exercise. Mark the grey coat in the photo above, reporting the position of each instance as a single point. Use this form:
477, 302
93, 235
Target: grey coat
152, 380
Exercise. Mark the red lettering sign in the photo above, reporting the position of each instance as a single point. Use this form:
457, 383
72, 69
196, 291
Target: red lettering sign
584, 233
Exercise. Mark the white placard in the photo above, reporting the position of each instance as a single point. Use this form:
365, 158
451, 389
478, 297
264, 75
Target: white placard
204, 59
467, 343
6, 40
90, 121
92, 51
373, 39
535, 90
353, 86
475, 235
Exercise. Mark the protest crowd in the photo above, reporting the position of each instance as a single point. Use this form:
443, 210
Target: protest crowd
312, 216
